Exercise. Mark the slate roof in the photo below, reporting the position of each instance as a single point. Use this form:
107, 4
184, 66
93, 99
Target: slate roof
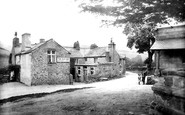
169, 44
35, 46
97, 52
122, 55
86, 52
170, 38
75, 53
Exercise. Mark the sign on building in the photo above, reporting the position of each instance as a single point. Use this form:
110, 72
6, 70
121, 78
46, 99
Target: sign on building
61, 59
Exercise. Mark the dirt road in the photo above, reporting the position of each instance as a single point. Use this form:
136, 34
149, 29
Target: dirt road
116, 97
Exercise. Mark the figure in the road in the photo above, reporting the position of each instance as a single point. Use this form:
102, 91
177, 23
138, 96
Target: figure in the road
139, 78
144, 74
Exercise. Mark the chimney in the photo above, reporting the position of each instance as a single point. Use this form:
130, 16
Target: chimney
26, 44
111, 45
15, 41
42, 40
107, 56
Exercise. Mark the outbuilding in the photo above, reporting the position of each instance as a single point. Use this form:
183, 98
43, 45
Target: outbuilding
46, 62
169, 49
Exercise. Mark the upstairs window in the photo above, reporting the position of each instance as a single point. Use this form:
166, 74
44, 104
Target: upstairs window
95, 60
51, 56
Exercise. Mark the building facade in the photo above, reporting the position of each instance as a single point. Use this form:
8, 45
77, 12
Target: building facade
169, 51
43, 63
100, 62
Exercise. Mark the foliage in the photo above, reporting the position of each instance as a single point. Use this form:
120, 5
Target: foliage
76, 45
138, 11
139, 18
142, 36
134, 62
146, 61
93, 46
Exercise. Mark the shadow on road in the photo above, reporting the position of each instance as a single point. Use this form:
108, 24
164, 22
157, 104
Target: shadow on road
37, 95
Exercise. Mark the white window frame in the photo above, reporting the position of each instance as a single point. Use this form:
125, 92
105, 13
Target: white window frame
51, 54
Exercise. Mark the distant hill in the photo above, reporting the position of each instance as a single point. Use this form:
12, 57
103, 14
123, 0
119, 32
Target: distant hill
132, 54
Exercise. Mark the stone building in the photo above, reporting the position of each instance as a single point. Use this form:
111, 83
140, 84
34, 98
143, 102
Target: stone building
96, 63
169, 51
4, 57
46, 62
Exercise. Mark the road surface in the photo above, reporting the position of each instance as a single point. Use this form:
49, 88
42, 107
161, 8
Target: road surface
121, 96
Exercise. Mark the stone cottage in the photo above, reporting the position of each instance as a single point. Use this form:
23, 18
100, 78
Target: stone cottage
46, 62
169, 51
4, 57
95, 63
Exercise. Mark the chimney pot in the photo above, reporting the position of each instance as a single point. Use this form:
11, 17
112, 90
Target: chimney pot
42, 40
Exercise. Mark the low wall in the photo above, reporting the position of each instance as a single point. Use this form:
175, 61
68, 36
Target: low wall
106, 70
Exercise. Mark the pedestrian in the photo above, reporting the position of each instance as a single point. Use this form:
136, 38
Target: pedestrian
71, 79
139, 78
144, 76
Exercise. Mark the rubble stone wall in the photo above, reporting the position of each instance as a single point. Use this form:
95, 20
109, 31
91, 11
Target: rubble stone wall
44, 73
172, 59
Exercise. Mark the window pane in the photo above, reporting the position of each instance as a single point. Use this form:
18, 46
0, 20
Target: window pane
49, 58
48, 52
53, 58
53, 52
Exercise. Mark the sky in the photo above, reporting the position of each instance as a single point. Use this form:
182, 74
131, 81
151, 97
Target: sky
57, 19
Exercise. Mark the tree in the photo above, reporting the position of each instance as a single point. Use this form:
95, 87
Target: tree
138, 18
138, 11
93, 46
76, 45
142, 37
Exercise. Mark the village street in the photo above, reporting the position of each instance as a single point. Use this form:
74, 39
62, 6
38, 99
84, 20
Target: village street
116, 97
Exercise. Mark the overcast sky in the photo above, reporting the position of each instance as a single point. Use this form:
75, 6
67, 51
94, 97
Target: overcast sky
57, 19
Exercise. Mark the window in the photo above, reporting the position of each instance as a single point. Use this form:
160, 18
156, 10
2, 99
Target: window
76, 61
79, 70
51, 56
85, 70
92, 71
109, 59
95, 60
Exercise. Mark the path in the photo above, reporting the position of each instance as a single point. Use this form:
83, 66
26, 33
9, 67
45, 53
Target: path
115, 97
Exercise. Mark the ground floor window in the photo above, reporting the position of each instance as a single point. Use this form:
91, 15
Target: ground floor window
79, 70
92, 71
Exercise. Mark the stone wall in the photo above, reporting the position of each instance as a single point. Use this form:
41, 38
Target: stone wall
102, 68
170, 94
172, 59
105, 70
44, 73
25, 71
168, 100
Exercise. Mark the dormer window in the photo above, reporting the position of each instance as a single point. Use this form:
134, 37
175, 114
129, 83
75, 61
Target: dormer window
51, 56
